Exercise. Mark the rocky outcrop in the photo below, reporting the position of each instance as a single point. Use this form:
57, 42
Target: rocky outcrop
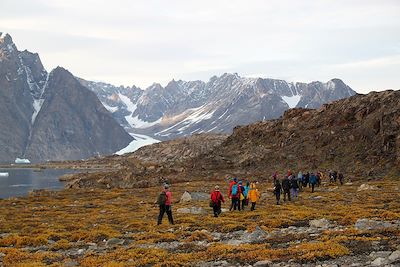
179, 150
359, 135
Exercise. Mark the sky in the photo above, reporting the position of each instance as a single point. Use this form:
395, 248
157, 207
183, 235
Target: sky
130, 42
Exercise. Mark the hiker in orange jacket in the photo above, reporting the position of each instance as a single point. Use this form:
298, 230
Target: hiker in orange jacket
254, 195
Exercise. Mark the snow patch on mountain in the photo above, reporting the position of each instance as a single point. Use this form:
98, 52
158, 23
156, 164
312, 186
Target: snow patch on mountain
192, 116
37, 105
199, 114
292, 101
130, 106
109, 108
140, 124
140, 141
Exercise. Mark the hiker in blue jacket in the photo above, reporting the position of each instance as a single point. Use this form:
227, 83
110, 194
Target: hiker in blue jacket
245, 192
313, 181
234, 194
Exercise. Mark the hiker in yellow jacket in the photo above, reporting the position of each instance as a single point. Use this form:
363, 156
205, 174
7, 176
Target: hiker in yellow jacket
253, 195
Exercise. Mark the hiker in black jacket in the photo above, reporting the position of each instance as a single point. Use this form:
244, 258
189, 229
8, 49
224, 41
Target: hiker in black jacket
286, 188
294, 186
277, 191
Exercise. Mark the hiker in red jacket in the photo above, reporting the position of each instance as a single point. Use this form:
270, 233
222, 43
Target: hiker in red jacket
217, 198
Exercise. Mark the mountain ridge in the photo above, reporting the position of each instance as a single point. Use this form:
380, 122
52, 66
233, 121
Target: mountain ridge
182, 107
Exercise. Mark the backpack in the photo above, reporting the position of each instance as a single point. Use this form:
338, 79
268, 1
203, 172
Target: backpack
246, 191
216, 197
234, 190
162, 198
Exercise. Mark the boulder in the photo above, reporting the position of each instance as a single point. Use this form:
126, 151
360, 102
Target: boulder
186, 197
171, 246
395, 255
114, 242
258, 235
192, 210
364, 187
264, 263
379, 262
379, 254
368, 224
321, 223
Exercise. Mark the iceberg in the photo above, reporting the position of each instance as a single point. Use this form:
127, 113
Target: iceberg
3, 174
22, 161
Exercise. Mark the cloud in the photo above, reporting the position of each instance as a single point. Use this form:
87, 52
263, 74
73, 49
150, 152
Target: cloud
141, 42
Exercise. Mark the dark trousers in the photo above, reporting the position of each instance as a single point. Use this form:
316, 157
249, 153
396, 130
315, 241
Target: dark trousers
312, 188
278, 197
165, 209
217, 210
253, 206
243, 203
235, 203
286, 192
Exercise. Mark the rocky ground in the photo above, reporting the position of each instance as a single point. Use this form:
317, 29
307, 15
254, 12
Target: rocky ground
356, 224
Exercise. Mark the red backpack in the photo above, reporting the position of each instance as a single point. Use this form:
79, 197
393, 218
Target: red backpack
216, 196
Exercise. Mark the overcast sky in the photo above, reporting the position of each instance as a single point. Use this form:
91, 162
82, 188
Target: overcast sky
140, 42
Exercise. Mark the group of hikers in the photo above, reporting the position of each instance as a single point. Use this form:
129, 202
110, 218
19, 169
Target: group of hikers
242, 194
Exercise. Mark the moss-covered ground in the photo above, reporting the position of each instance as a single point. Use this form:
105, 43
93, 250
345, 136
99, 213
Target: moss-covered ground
53, 229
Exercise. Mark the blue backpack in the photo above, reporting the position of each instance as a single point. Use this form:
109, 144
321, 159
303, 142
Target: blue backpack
246, 191
234, 190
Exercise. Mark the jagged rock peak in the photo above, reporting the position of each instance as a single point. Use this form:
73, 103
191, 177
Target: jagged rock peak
7, 44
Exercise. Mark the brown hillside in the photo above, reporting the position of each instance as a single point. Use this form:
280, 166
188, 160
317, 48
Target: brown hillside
358, 135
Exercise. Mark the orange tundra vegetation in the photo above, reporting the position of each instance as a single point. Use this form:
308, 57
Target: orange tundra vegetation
118, 227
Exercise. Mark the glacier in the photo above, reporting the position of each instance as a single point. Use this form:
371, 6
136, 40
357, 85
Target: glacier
140, 140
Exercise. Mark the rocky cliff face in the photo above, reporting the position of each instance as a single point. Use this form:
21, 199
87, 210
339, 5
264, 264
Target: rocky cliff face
359, 136
50, 116
184, 108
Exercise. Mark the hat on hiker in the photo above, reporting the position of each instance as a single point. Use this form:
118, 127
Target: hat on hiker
235, 179
216, 187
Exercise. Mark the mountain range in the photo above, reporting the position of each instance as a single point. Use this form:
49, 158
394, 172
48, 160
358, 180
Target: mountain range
50, 116
182, 108
58, 116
